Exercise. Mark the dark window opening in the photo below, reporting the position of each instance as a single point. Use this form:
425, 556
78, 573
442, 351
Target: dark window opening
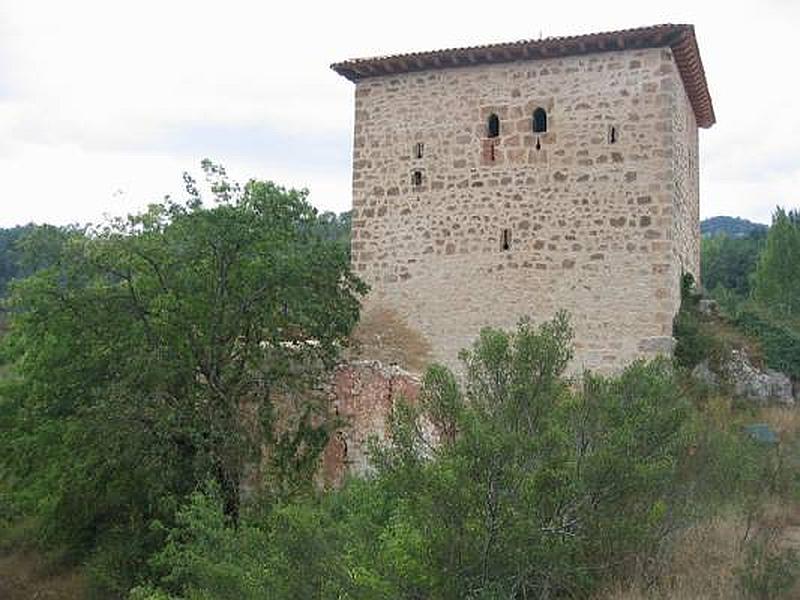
505, 240
539, 121
612, 135
416, 178
538, 143
493, 126
491, 153
418, 150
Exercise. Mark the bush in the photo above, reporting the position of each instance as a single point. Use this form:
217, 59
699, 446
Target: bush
543, 491
695, 342
780, 344
534, 490
289, 553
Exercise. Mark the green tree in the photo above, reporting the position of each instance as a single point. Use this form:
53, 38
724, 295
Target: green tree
729, 262
777, 279
153, 353
336, 227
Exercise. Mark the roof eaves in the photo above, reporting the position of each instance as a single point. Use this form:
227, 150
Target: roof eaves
680, 38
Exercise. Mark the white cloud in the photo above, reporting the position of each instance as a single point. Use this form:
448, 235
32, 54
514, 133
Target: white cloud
97, 97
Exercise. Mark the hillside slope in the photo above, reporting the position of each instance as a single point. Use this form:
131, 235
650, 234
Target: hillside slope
730, 226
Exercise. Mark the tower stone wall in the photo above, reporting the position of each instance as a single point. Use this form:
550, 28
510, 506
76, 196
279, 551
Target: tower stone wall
596, 222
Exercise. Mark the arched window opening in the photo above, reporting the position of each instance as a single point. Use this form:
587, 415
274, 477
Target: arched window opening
539, 121
612, 135
418, 150
505, 240
416, 178
493, 126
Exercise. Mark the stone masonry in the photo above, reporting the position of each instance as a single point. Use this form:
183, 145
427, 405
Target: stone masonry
363, 395
598, 214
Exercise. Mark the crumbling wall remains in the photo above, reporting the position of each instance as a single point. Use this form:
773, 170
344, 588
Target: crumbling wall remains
363, 394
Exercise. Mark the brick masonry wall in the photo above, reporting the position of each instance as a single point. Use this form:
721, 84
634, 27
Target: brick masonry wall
597, 228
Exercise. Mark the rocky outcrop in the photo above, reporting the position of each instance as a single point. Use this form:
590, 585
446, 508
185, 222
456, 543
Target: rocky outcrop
705, 374
708, 307
747, 381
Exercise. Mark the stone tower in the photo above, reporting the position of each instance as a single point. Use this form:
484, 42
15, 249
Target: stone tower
509, 180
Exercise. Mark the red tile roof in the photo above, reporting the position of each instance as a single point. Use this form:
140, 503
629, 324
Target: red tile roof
680, 38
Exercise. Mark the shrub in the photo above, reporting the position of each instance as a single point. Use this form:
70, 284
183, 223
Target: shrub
780, 343
695, 342
535, 490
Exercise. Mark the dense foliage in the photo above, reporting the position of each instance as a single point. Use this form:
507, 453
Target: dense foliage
335, 228
534, 490
729, 262
12, 264
152, 361
149, 358
777, 277
9, 259
755, 280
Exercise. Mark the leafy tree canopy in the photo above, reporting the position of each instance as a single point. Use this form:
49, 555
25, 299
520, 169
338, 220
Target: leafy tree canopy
729, 262
777, 278
143, 346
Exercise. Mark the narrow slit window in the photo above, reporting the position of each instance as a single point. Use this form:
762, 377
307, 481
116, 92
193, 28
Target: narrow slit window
491, 153
612, 135
539, 121
416, 178
493, 126
418, 149
505, 240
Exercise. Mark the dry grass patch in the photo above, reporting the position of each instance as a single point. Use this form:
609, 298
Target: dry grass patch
785, 421
383, 335
705, 559
25, 575
701, 566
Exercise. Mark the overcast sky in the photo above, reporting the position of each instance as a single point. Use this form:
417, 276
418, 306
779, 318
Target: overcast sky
103, 104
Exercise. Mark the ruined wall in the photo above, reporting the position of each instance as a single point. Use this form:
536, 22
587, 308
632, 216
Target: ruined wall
592, 223
363, 394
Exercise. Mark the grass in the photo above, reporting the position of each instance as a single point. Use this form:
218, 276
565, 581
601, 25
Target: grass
701, 565
704, 559
785, 421
26, 574
383, 335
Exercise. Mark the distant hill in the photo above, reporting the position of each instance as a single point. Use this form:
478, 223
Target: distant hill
730, 226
